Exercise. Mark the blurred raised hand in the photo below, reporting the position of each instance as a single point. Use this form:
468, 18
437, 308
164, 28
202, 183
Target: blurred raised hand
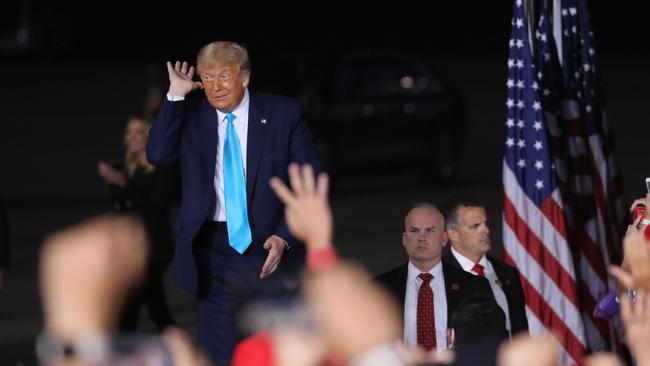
636, 271
635, 313
86, 272
307, 209
525, 350
353, 314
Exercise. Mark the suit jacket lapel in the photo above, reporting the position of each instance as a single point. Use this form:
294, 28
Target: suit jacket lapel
256, 135
449, 257
502, 275
452, 290
401, 283
210, 132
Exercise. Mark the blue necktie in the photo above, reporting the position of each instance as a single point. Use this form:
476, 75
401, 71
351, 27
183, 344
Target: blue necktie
239, 232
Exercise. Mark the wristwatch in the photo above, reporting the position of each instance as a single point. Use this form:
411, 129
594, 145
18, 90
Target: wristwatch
92, 348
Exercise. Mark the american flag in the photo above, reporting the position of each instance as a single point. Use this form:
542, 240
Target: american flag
534, 230
583, 152
580, 148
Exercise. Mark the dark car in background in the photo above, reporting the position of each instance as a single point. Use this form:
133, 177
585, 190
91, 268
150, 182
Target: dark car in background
385, 112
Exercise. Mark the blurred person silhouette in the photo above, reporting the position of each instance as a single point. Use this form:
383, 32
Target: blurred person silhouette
4, 244
349, 320
603, 359
86, 273
154, 93
277, 306
633, 278
525, 350
608, 306
282, 325
478, 327
633, 285
138, 187
428, 290
355, 321
230, 142
630, 295
634, 271
469, 235
635, 313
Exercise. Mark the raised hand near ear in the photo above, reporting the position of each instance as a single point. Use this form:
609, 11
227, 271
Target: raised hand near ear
180, 79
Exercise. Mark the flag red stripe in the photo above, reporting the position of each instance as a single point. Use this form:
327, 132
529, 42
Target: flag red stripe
555, 215
539, 252
549, 318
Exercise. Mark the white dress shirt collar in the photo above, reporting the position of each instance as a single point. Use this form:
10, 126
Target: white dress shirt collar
241, 111
414, 272
466, 264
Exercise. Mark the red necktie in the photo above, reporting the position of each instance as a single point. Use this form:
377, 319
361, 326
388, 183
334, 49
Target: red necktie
426, 323
479, 270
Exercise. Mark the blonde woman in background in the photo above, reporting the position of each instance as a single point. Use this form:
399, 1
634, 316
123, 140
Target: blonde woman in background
138, 187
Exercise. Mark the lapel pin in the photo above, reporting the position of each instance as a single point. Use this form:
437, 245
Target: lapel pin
505, 282
263, 120
455, 287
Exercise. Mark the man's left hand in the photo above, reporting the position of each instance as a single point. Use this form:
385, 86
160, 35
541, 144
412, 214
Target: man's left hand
275, 245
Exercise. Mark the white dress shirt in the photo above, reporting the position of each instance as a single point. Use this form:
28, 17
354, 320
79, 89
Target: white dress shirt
437, 284
491, 276
241, 127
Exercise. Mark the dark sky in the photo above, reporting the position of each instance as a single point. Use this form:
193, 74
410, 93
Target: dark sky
81, 56
136, 34
67, 95
114, 31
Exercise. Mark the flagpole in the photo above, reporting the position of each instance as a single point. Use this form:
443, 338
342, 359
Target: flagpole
556, 22
529, 9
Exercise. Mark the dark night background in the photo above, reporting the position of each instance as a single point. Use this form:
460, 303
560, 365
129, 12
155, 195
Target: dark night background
66, 94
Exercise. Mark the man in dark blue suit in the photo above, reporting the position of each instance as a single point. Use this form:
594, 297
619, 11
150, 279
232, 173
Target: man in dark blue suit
230, 142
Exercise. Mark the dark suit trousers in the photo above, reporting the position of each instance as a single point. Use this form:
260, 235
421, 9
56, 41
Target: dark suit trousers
226, 280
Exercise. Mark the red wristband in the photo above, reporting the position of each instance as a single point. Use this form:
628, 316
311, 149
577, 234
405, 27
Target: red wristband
321, 258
